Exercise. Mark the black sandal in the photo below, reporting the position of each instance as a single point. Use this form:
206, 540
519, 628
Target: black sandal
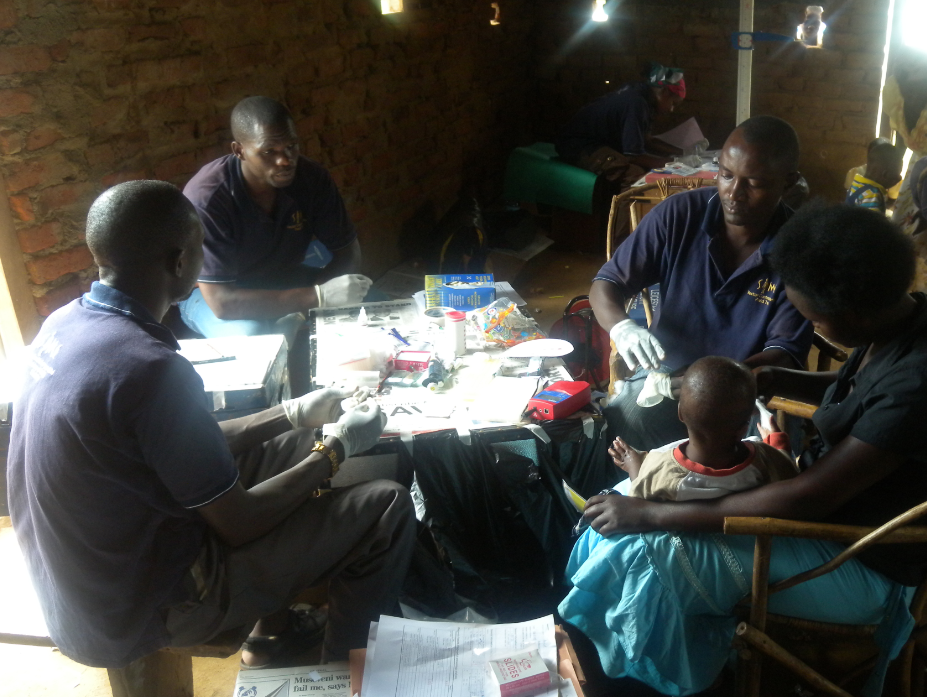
305, 627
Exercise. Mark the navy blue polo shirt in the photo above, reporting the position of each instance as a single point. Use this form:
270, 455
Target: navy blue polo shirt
619, 119
112, 450
702, 312
244, 244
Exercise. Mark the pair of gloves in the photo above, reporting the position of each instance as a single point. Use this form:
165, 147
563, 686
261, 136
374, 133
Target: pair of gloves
638, 347
349, 289
344, 413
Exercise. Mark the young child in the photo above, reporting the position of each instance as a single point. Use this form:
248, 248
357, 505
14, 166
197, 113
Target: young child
716, 405
883, 171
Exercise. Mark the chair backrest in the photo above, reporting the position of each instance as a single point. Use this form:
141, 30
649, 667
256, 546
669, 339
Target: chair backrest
640, 200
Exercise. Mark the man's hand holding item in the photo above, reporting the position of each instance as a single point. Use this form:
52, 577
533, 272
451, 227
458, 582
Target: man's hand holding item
358, 429
349, 289
317, 408
636, 345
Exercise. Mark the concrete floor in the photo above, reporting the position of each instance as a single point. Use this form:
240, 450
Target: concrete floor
548, 282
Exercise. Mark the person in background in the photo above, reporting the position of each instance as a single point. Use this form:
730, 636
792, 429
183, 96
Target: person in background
611, 136
883, 171
262, 207
891, 191
709, 251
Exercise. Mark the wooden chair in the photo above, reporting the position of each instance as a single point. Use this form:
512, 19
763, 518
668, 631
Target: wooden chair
753, 640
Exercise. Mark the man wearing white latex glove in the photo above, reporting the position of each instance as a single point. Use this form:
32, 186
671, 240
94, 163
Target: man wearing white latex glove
278, 239
636, 345
708, 249
349, 289
317, 408
359, 428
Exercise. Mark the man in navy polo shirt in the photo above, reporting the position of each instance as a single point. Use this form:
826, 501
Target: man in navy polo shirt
262, 207
708, 249
143, 522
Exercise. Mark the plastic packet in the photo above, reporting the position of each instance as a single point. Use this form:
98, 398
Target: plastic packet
502, 324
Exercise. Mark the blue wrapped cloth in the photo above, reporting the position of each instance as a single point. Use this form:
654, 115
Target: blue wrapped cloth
659, 606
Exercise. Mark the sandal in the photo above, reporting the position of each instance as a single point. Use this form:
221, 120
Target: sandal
305, 627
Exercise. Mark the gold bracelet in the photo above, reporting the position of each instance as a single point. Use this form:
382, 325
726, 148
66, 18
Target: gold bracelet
320, 447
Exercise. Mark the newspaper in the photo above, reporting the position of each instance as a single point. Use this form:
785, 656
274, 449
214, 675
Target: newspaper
331, 680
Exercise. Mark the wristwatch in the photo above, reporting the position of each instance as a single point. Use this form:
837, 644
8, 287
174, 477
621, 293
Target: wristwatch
320, 447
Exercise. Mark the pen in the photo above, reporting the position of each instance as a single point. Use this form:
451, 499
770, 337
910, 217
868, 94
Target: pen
395, 332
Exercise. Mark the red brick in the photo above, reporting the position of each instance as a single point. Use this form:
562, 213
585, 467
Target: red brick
60, 51
35, 239
23, 59
123, 176
41, 137
13, 102
100, 155
195, 27
140, 32
109, 111
7, 14
247, 56
48, 268
42, 170
60, 296
118, 75
175, 166
11, 142
55, 197
22, 208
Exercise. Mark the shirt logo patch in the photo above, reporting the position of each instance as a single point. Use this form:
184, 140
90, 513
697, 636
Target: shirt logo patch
296, 222
763, 293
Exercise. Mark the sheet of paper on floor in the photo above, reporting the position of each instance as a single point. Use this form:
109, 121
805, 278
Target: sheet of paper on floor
331, 680
432, 659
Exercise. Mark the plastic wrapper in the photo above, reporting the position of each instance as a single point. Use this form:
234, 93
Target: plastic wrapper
502, 324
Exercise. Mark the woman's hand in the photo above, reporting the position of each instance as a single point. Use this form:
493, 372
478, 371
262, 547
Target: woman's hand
614, 513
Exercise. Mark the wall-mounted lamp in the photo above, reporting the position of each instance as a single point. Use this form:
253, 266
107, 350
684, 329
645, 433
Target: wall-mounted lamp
497, 20
598, 11
389, 7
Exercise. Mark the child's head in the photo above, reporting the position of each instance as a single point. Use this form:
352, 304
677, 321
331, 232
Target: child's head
717, 399
884, 162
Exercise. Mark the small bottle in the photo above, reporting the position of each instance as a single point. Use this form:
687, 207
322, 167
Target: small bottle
455, 334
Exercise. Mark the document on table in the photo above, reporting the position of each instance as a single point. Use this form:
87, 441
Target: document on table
408, 658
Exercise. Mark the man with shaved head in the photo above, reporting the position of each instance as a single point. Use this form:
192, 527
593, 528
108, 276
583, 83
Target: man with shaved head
708, 249
143, 522
263, 208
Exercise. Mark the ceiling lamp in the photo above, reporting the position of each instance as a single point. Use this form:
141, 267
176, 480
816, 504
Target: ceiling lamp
598, 11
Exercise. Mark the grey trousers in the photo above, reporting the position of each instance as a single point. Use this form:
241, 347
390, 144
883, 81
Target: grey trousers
359, 539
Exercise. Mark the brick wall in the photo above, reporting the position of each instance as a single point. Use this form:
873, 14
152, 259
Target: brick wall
403, 109
830, 95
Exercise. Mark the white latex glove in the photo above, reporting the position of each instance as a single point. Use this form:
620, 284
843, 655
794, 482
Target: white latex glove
349, 289
358, 429
657, 386
316, 408
357, 397
636, 345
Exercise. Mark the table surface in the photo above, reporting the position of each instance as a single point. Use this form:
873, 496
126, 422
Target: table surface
476, 398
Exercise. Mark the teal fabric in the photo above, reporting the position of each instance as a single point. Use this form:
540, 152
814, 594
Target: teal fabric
659, 606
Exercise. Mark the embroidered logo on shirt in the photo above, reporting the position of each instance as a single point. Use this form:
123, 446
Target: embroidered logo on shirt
763, 293
297, 222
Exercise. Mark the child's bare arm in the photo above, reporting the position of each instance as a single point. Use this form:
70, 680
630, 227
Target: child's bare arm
627, 458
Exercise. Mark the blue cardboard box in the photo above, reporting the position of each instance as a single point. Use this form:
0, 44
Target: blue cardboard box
462, 291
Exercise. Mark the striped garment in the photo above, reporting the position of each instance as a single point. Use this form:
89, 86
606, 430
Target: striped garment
866, 193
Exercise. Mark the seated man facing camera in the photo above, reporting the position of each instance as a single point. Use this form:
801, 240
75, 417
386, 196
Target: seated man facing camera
261, 208
709, 251
145, 523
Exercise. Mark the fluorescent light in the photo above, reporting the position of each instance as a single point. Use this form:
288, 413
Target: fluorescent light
914, 24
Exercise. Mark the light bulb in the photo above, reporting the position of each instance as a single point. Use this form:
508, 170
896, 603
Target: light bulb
598, 11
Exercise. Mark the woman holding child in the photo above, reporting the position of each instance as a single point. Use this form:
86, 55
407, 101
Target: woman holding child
657, 605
